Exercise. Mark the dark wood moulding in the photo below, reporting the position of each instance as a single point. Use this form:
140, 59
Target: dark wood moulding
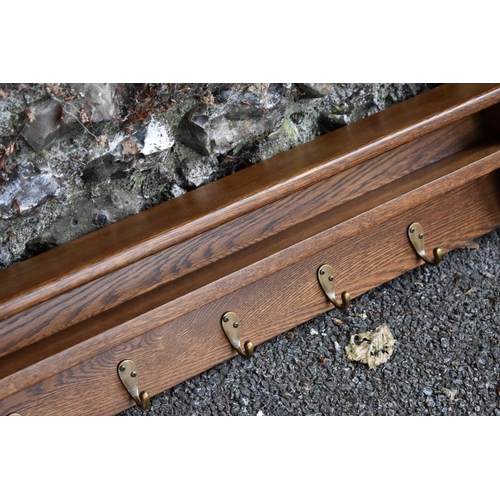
154, 287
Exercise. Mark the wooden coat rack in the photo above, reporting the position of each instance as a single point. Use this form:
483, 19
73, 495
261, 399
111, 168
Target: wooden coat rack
110, 319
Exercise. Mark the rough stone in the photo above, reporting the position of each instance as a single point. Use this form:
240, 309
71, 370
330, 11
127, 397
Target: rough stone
16, 99
196, 172
47, 126
315, 89
5, 256
101, 218
81, 104
125, 151
107, 167
96, 99
158, 138
245, 117
27, 188
286, 137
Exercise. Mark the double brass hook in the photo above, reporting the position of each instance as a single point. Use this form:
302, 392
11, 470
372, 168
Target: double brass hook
127, 371
231, 325
416, 236
327, 282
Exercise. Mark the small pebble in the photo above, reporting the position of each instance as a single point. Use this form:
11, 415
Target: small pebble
427, 391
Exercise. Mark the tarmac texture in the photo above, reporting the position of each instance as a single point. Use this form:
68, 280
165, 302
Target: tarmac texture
446, 324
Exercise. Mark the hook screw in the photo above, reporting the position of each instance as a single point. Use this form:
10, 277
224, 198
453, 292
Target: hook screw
419, 247
326, 281
127, 372
233, 335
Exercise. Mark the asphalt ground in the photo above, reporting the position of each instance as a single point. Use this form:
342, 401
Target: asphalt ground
446, 323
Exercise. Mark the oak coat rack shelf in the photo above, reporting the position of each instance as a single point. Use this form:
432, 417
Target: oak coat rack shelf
151, 293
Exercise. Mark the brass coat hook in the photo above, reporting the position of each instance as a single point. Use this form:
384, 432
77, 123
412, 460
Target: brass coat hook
327, 282
230, 325
127, 371
416, 236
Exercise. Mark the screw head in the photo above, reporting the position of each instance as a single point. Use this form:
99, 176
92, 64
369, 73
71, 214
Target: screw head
421, 235
133, 374
122, 368
412, 229
236, 324
225, 319
322, 271
330, 278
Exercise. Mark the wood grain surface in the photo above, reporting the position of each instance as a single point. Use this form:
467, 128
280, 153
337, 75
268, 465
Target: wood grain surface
191, 255
166, 303
192, 343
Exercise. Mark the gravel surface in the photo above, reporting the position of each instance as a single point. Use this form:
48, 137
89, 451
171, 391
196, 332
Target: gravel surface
446, 322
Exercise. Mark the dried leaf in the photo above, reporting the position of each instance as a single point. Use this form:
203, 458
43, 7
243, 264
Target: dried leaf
486, 274
30, 115
84, 116
372, 348
472, 245
62, 113
101, 140
129, 146
4, 93
7, 151
15, 206
59, 91
208, 99
10, 148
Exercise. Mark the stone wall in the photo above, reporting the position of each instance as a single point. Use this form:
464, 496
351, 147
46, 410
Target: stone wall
77, 157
